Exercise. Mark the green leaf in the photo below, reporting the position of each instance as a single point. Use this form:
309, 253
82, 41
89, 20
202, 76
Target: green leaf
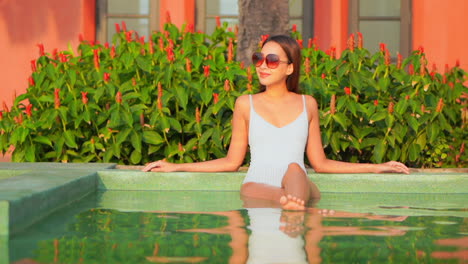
122, 136
433, 132
70, 139
413, 123
135, 157
136, 141
144, 64
414, 152
341, 119
206, 135
151, 137
30, 154
43, 140
379, 151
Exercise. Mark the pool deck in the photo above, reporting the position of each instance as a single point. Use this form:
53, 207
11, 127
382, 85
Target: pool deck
31, 191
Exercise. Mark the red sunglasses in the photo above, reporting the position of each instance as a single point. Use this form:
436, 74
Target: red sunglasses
272, 60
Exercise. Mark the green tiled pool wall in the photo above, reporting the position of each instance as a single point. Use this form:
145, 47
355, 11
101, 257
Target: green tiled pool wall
34, 190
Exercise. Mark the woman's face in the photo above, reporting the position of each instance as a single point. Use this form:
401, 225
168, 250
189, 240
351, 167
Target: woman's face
278, 75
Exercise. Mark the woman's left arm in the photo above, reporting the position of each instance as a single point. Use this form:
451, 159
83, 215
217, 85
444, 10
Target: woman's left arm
321, 163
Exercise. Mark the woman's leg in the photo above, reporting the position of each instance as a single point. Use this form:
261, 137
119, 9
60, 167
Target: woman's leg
296, 190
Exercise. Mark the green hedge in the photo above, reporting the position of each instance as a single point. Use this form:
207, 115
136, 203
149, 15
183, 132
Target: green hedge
172, 97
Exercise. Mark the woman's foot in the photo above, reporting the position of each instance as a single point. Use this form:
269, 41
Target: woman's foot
292, 222
289, 202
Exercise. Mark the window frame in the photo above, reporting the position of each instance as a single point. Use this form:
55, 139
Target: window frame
102, 16
307, 17
404, 18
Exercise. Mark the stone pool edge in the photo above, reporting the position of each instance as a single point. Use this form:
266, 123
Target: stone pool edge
42, 188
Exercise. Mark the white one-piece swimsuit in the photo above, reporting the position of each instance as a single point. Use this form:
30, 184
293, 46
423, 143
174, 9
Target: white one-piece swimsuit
273, 148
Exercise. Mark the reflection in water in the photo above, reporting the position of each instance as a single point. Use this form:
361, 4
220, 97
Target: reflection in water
252, 235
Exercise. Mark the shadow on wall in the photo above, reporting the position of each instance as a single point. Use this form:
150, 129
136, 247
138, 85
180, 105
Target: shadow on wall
28, 20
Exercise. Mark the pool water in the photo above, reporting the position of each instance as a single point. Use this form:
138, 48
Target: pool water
93, 230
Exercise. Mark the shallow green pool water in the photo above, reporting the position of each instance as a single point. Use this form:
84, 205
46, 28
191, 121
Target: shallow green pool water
136, 229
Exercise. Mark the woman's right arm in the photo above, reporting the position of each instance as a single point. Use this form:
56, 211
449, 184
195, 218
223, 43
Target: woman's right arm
236, 152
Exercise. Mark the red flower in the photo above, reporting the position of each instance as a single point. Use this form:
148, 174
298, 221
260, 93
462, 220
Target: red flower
351, 42
218, 21
134, 83
96, 59
190, 28
411, 69
399, 60
118, 97
376, 102
294, 28
55, 54
383, 47
5, 107
323, 76
84, 97
387, 57
264, 38
227, 85
299, 41
112, 52
142, 40
360, 42
215, 98
142, 119
407, 97
106, 77
457, 63
31, 81
307, 65
128, 35
440, 105
206, 70
1, 115
33, 65
197, 115
19, 119
106, 45
333, 105
117, 27
29, 110
188, 64
390, 107
124, 26
63, 58
151, 46
170, 54
168, 17
57, 98
347, 90
41, 49
230, 50
249, 75
160, 94
421, 50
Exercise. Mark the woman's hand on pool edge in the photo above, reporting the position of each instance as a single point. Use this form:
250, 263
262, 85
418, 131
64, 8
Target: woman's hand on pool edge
160, 166
392, 167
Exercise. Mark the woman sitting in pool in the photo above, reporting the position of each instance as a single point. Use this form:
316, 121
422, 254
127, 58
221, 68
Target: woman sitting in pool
278, 124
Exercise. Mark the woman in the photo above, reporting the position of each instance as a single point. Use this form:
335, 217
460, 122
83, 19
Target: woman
279, 124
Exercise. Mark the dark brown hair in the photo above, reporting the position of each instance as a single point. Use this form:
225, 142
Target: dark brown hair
293, 51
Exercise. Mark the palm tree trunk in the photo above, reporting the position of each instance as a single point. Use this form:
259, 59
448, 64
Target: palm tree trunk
257, 18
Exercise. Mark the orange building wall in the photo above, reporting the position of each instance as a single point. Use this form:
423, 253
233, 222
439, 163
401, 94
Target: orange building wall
331, 24
181, 12
24, 24
441, 28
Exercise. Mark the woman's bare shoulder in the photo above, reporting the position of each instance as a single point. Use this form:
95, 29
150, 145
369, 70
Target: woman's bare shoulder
311, 103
